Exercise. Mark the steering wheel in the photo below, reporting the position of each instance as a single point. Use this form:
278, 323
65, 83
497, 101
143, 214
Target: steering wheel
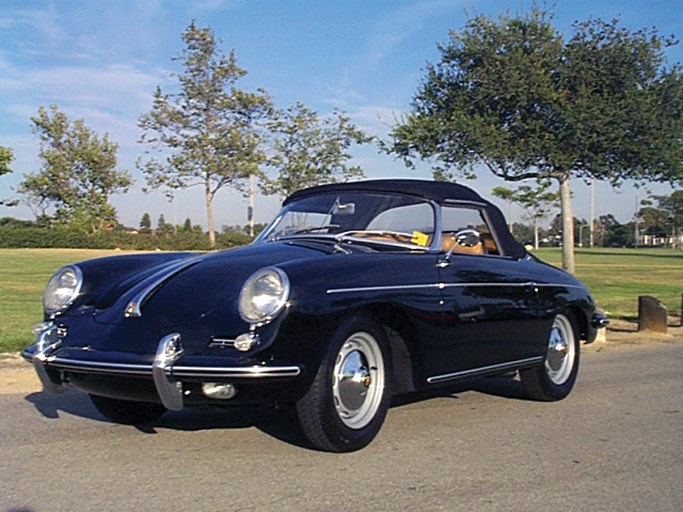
468, 237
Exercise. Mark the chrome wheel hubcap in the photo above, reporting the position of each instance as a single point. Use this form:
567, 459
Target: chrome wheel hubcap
561, 351
358, 380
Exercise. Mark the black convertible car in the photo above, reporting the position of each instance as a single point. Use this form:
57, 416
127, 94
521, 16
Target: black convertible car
354, 293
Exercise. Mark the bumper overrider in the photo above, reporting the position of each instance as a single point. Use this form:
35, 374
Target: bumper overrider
168, 368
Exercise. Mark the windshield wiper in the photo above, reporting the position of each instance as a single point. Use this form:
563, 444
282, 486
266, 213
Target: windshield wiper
312, 229
303, 231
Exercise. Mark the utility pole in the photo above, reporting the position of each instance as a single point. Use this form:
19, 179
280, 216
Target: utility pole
635, 223
592, 211
250, 208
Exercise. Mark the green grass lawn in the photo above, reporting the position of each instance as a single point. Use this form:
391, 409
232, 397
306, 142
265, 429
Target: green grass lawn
615, 277
23, 275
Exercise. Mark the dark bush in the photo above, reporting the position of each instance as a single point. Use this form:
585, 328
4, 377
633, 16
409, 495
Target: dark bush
26, 234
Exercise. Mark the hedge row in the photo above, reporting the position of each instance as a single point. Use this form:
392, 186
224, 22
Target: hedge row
13, 236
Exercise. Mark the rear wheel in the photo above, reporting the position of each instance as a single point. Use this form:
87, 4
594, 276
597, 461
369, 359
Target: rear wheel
127, 412
346, 405
555, 379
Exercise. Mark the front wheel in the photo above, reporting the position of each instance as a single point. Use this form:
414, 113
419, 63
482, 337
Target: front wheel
555, 379
127, 412
345, 406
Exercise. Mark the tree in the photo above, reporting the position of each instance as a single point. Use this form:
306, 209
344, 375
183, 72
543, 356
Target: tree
508, 196
187, 226
537, 203
620, 235
209, 132
163, 227
523, 232
513, 96
6, 157
666, 218
78, 173
651, 221
310, 150
672, 206
146, 223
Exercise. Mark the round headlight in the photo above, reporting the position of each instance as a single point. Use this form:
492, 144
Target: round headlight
62, 289
264, 295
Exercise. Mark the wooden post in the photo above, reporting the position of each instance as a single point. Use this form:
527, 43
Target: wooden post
652, 314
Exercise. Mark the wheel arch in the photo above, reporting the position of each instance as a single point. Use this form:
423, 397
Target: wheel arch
402, 338
579, 316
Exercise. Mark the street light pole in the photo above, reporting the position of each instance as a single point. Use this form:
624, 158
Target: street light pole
592, 212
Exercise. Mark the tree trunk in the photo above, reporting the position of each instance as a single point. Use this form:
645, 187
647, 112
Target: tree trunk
536, 236
567, 225
209, 215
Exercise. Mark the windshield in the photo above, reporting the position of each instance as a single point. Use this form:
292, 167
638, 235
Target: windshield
377, 219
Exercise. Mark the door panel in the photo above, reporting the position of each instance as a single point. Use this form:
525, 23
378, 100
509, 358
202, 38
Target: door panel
488, 315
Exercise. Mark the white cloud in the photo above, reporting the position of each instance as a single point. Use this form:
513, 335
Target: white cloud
400, 24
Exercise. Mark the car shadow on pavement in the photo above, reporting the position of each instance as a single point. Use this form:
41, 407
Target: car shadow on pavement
69, 402
500, 386
278, 422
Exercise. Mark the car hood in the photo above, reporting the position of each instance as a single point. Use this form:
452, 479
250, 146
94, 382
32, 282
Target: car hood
196, 287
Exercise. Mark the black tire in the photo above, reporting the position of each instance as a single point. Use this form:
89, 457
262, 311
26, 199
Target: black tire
347, 402
126, 411
555, 378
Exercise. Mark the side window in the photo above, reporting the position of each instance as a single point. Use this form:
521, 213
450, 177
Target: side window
464, 230
406, 219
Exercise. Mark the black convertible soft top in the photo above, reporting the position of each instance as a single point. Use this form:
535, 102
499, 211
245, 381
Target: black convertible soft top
437, 191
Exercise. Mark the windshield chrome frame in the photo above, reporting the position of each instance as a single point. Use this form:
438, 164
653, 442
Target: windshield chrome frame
434, 247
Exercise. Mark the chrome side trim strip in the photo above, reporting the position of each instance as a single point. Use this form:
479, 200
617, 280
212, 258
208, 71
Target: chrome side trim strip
530, 361
554, 285
383, 288
441, 286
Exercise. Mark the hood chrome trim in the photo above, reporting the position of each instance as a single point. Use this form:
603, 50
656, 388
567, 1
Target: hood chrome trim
134, 307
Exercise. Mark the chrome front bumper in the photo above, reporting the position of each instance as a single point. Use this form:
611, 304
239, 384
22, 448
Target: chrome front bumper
167, 369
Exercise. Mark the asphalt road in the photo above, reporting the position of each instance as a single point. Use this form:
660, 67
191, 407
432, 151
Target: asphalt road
615, 444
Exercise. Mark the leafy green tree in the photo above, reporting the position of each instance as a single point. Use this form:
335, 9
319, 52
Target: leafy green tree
620, 235
146, 223
524, 233
513, 96
209, 133
163, 227
651, 221
668, 215
78, 173
6, 157
187, 226
537, 203
311, 151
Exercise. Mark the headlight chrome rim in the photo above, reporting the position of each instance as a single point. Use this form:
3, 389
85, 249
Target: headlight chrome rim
271, 305
58, 296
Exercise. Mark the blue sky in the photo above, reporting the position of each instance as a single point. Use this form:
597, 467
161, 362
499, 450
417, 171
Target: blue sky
101, 60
